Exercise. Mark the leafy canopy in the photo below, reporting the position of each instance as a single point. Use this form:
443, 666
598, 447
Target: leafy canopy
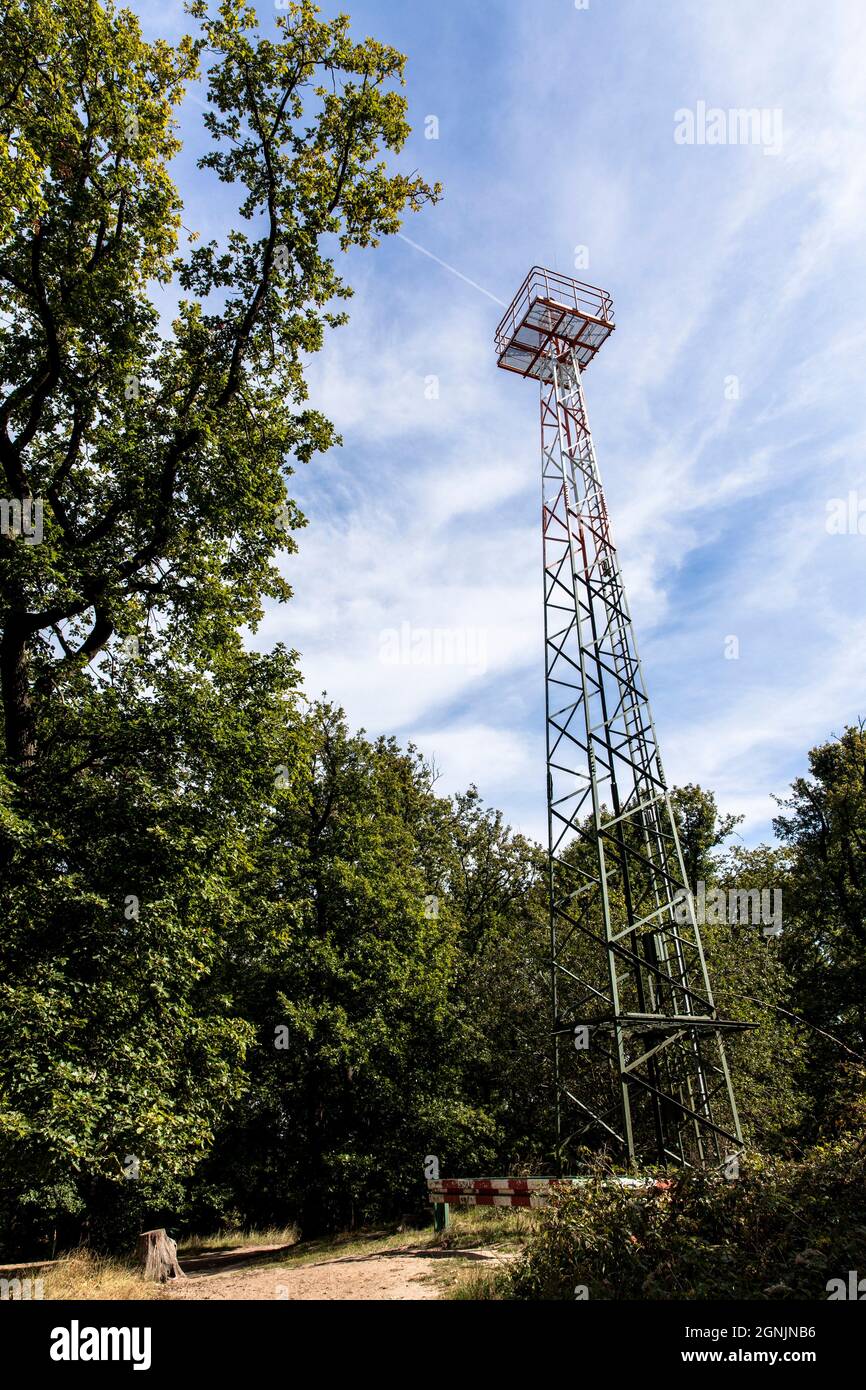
160, 459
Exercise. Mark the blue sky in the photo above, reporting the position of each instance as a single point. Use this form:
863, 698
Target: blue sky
556, 129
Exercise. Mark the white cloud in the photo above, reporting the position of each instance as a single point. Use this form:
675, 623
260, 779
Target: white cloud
722, 262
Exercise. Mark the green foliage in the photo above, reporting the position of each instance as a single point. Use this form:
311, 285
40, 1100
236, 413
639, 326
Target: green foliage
824, 944
326, 979
751, 982
141, 743
749, 979
495, 887
370, 1051
120, 1045
782, 1230
702, 831
161, 461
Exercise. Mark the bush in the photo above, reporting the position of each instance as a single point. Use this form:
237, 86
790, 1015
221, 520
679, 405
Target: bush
781, 1231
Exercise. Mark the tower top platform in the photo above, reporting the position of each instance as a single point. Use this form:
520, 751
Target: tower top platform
552, 313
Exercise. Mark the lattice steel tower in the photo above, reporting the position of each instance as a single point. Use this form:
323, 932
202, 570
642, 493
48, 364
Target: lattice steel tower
639, 1060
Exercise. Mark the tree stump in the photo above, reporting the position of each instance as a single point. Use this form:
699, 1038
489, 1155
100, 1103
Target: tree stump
156, 1252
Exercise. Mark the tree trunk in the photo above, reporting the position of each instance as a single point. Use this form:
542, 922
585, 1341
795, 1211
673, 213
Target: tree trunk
156, 1252
15, 687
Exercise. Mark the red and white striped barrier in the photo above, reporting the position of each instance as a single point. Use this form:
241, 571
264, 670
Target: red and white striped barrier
517, 1192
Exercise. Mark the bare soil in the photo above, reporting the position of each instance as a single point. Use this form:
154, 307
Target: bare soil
397, 1273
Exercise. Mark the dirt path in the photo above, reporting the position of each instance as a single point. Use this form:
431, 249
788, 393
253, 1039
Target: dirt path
403, 1273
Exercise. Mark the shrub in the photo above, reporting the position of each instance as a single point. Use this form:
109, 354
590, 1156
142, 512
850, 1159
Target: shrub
782, 1230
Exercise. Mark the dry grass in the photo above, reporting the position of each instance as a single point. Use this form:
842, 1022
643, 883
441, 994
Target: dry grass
472, 1284
225, 1240
504, 1227
476, 1228
500, 1228
82, 1274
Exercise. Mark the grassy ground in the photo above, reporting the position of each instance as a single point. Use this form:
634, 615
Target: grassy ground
85, 1275
82, 1274
476, 1228
470, 1284
470, 1228
226, 1240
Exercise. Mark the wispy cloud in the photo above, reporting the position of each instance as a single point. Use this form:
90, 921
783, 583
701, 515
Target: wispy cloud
726, 408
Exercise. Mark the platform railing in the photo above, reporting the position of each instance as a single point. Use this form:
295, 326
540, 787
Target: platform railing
548, 285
